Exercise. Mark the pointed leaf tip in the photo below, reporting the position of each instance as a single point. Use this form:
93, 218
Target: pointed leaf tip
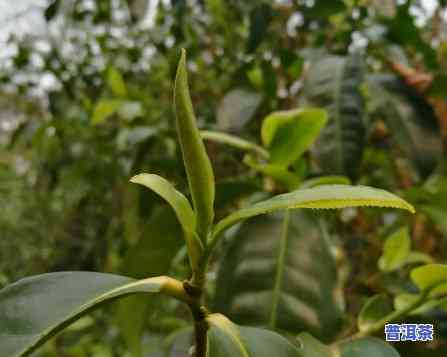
181, 207
197, 164
319, 197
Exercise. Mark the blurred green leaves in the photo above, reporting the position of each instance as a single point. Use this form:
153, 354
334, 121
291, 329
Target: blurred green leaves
288, 134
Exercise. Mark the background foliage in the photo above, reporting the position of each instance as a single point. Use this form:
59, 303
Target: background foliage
86, 104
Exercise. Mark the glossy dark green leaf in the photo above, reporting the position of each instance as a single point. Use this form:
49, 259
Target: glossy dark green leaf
237, 108
34, 309
288, 134
151, 256
197, 164
226, 339
374, 309
279, 272
334, 83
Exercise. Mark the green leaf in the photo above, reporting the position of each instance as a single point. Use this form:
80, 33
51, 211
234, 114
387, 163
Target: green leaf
116, 82
33, 309
431, 276
278, 271
403, 301
278, 172
197, 164
236, 109
413, 124
234, 141
363, 347
225, 339
288, 134
320, 197
333, 83
395, 250
151, 256
367, 347
181, 207
104, 109
375, 309
312, 347
418, 257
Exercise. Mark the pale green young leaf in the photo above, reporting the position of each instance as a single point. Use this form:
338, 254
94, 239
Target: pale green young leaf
288, 134
320, 197
395, 250
197, 164
432, 277
181, 207
33, 309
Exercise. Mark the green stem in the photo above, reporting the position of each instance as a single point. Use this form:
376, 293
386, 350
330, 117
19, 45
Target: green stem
174, 288
203, 264
195, 289
235, 142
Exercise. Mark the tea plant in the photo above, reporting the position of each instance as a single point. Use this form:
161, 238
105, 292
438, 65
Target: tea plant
34, 309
